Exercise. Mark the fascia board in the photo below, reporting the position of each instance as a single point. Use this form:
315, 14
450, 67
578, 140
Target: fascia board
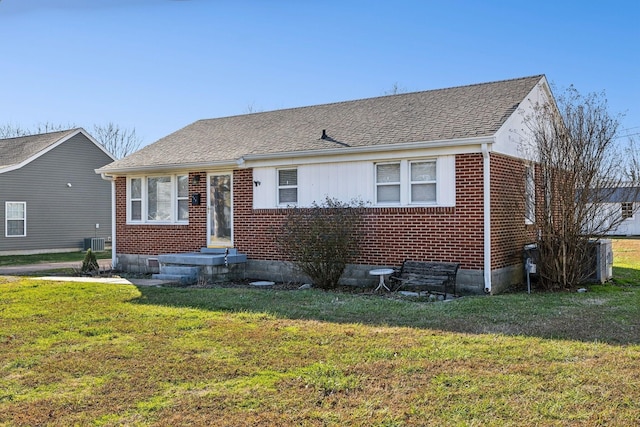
255, 160
464, 145
169, 168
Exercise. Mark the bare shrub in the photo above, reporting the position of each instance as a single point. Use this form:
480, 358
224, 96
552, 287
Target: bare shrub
322, 239
583, 166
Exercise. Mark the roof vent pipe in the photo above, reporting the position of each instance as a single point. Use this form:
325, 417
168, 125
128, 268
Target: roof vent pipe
324, 134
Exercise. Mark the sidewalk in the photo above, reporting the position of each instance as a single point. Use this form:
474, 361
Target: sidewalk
17, 270
32, 268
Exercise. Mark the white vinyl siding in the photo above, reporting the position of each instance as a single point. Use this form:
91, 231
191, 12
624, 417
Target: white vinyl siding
158, 199
15, 219
356, 181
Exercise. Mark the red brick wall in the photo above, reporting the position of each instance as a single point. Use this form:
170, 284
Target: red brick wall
509, 233
391, 235
157, 239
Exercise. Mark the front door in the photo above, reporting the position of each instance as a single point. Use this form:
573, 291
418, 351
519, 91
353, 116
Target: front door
220, 211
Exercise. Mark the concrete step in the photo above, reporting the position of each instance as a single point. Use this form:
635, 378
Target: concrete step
199, 258
179, 270
219, 251
177, 278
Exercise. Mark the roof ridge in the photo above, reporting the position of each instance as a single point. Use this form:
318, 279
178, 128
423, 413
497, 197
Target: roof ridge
538, 76
41, 134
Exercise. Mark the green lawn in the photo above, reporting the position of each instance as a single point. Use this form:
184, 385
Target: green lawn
112, 355
51, 257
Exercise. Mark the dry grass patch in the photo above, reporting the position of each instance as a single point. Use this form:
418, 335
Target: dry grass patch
110, 355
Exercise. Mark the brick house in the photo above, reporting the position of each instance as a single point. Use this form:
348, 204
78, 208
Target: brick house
442, 172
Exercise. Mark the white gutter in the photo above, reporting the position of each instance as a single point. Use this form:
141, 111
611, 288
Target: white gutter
486, 165
113, 217
403, 146
241, 161
173, 167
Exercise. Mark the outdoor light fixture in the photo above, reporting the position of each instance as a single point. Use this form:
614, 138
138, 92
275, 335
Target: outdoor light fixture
195, 180
69, 184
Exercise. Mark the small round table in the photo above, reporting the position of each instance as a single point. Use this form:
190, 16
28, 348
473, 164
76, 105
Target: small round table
381, 272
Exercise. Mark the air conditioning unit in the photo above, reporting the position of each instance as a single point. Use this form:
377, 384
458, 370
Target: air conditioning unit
96, 244
602, 260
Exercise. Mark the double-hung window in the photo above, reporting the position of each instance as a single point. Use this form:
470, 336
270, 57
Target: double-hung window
529, 196
15, 219
183, 197
287, 186
388, 183
406, 182
423, 182
135, 199
159, 199
627, 210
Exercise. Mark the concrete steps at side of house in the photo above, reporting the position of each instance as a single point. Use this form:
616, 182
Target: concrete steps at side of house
202, 259
185, 275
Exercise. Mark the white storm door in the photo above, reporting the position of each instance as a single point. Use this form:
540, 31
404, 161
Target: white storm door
220, 212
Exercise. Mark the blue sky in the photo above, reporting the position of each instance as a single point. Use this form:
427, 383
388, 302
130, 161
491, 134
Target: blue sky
158, 65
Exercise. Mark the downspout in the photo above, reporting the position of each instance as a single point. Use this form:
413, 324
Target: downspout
113, 218
486, 165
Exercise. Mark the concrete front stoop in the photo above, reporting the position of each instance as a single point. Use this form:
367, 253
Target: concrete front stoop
186, 268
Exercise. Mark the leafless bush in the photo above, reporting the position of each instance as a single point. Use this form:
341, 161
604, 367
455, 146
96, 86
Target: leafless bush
582, 165
322, 239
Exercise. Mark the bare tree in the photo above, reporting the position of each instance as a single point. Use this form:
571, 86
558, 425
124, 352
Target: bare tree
581, 167
395, 89
11, 130
117, 141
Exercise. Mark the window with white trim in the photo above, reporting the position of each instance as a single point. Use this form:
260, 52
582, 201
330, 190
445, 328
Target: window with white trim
529, 195
423, 182
15, 219
388, 183
627, 210
287, 186
183, 197
406, 182
158, 199
135, 199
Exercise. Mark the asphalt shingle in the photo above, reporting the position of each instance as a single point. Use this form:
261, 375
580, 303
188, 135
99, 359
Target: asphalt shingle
14, 151
435, 115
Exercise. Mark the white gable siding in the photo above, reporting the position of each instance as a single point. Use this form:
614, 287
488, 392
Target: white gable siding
345, 181
513, 138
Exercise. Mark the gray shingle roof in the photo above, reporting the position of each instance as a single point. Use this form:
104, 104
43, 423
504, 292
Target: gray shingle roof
435, 115
14, 151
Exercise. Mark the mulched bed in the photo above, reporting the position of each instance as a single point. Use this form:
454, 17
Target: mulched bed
280, 286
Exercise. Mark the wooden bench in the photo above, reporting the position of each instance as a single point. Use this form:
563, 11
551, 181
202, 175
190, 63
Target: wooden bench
432, 276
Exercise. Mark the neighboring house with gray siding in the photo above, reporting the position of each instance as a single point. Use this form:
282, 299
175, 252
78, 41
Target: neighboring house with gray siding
50, 197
